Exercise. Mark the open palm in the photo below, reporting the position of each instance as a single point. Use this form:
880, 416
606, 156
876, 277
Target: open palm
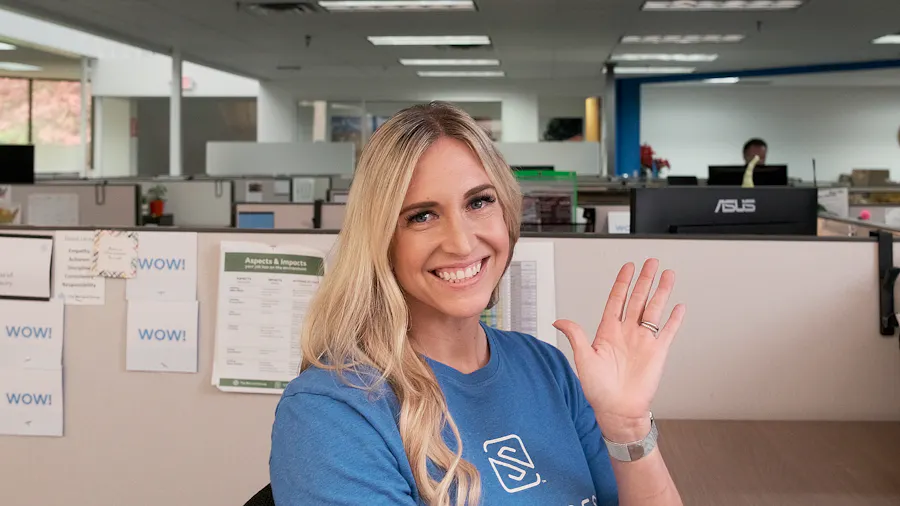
621, 368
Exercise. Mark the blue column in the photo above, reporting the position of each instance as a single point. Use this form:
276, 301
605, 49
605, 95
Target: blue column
628, 126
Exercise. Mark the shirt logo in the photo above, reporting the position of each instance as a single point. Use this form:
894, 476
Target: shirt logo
512, 464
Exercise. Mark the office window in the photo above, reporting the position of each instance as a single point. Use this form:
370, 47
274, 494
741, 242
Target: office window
56, 113
14, 111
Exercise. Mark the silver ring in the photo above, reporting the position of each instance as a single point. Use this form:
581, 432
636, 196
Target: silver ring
652, 327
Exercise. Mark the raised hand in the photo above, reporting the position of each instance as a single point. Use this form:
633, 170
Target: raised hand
620, 370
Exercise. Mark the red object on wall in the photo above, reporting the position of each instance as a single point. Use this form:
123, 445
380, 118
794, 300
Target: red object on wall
157, 207
134, 127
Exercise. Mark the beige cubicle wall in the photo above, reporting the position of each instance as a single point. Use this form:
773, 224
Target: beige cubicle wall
259, 189
97, 204
295, 216
197, 203
775, 330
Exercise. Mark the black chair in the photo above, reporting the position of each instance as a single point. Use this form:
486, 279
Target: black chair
262, 498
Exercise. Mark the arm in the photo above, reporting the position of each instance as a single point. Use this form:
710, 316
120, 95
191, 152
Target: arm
646, 481
326, 453
620, 372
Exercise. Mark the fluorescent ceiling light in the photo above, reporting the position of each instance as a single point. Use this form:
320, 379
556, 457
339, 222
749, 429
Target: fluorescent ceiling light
723, 80
665, 57
887, 39
6, 47
461, 73
18, 67
431, 40
654, 70
397, 5
682, 39
448, 62
721, 5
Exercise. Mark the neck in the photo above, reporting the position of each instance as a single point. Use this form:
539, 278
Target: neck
459, 343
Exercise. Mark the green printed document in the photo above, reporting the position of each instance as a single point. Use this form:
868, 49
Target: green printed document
264, 294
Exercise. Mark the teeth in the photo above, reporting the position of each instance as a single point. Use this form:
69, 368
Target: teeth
460, 274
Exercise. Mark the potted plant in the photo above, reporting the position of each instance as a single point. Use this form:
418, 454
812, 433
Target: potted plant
157, 197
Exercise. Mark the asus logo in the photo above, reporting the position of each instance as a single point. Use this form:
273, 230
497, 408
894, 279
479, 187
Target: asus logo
729, 206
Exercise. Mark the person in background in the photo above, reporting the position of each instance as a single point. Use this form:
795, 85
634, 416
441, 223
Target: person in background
755, 147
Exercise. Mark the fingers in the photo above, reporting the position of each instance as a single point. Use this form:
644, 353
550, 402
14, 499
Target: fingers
653, 311
615, 305
668, 332
573, 332
641, 292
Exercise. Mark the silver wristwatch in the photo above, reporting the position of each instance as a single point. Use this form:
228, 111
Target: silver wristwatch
629, 452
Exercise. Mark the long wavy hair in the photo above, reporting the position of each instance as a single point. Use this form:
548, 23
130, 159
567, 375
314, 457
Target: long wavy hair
359, 317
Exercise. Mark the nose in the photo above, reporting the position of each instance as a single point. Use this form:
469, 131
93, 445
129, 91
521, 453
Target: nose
459, 236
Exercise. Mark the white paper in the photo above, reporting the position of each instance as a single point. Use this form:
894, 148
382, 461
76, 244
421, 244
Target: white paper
304, 189
619, 222
31, 402
835, 200
31, 334
5, 194
167, 267
892, 217
115, 254
282, 187
254, 191
73, 281
25, 266
527, 301
53, 210
264, 293
161, 336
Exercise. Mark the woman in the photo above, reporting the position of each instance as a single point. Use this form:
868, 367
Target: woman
405, 398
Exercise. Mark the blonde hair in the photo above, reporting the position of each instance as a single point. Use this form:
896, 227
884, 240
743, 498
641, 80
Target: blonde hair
359, 317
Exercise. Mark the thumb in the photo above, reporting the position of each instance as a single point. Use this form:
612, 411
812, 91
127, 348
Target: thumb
577, 339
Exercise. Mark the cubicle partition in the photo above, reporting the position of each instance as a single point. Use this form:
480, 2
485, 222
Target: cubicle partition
289, 158
289, 216
794, 338
261, 189
75, 203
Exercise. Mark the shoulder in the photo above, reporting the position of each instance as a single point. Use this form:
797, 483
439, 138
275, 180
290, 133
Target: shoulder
525, 347
358, 390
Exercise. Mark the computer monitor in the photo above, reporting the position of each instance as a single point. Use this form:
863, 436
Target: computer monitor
256, 220
733, 175
16, 164
711, 210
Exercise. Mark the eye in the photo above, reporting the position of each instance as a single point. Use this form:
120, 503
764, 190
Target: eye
481, 201
422, 217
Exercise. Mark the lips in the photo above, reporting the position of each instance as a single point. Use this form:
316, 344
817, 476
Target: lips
460, 274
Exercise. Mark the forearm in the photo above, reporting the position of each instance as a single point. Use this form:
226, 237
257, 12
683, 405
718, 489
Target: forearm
646, 481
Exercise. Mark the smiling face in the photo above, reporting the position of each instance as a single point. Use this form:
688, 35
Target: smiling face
451, 244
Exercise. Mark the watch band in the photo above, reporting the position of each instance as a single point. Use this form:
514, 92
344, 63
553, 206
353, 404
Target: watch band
630, 452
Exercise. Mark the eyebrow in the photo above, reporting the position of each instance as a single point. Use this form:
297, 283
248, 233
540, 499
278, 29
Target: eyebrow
425, 205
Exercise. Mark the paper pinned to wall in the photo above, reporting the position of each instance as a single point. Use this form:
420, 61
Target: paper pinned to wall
25, 267
264, 293
304, 189
115, 254
10, 214
73, 282
527, 300
282, 187
53, 210
167, 267
5, 194
31, 334
254, 191
161, 336
32, 402
618, 222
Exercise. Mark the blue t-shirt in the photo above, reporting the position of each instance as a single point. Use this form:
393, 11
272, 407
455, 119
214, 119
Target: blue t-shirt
523, 418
